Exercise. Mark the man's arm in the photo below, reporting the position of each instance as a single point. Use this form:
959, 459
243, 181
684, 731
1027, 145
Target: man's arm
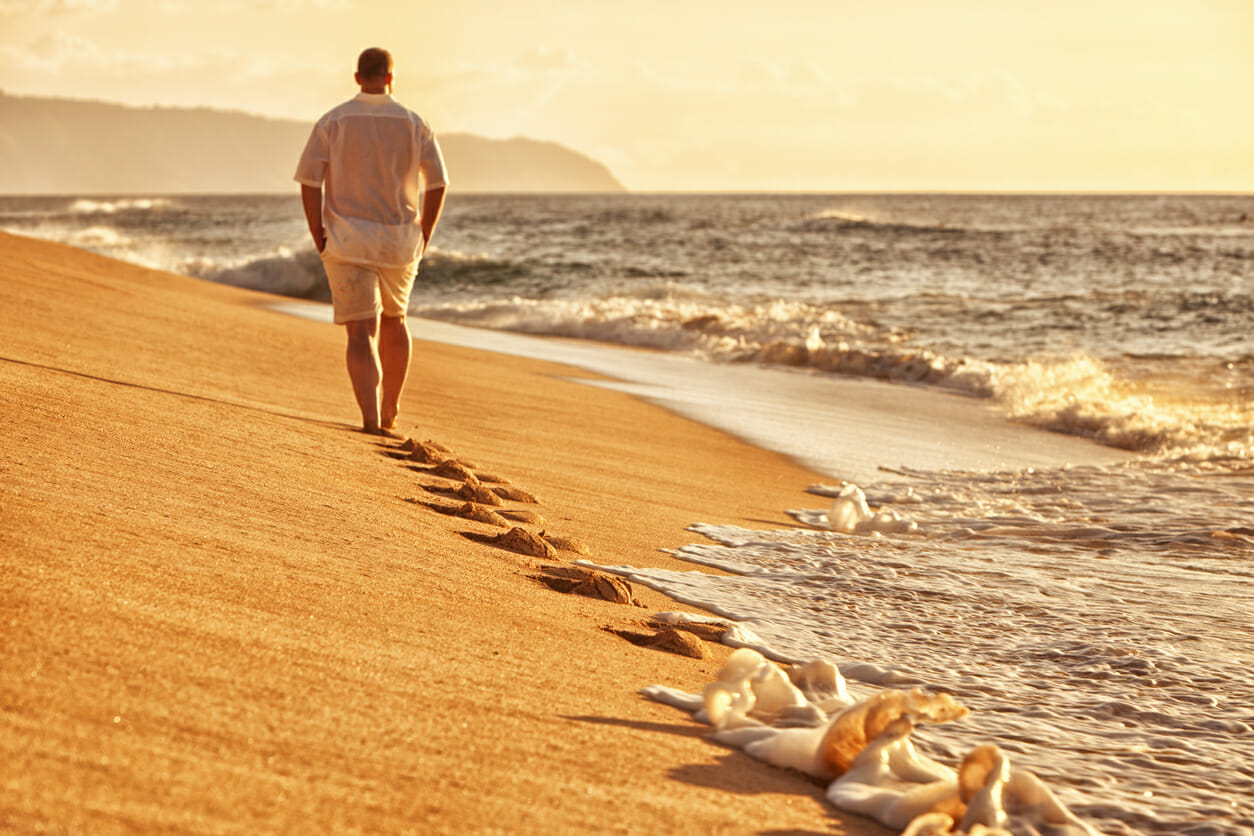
432, 206
311, 199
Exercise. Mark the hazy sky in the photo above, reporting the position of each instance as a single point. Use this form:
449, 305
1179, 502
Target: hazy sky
733, 94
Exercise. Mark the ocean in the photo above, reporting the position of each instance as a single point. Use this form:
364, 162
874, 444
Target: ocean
1093, 617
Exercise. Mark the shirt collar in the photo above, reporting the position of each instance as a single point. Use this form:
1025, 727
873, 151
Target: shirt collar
373, 98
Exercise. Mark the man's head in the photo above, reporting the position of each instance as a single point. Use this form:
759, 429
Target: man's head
374, 70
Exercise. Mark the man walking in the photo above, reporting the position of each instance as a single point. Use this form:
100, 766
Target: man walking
372, 184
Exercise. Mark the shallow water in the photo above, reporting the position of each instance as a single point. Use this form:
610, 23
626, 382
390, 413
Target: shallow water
1094, 620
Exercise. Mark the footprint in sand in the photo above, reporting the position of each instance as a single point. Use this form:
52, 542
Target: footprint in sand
475, 492
518, 540
587, 582
446, 466
426, 452
515, 494
445, 463
573, 580
523, 515
670, 640
710, 631
481, 500
566, 544
454, 470
479, 513
484, 495
503, 517
522, 541
467, 510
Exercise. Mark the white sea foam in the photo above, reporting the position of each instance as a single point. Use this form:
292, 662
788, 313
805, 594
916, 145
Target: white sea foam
442, 265
98, 237
773, 332
1082, 397
863, 217
1091, 618
803, 718
1077, 395
851, 514
689, 322
285, 273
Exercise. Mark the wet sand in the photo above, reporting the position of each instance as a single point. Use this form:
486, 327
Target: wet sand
225, 610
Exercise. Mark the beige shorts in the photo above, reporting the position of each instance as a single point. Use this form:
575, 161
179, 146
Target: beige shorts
361, 291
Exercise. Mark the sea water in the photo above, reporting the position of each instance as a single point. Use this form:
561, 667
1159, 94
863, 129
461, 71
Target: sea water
1094, 618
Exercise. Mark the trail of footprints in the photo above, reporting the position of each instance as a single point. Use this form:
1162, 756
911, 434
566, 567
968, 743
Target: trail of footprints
460, 488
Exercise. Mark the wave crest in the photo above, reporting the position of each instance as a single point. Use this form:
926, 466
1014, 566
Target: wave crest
443, 267
299, 274
1081, 396
848, 219
1076, 396
87, 206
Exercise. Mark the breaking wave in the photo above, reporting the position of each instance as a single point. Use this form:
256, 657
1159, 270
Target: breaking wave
829, 219
88, 206
298, 274
1078, 395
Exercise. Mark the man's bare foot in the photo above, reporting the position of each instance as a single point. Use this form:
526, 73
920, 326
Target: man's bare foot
388, 423
381, 431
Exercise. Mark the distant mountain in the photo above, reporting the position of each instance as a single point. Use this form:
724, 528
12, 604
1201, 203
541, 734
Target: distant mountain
69, 146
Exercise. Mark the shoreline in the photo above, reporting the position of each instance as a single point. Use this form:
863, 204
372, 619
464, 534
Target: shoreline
841, 427
229, 611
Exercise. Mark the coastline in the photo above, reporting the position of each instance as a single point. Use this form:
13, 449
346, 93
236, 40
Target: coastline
844, 428
226, 613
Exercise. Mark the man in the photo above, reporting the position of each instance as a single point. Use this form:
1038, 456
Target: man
372, 184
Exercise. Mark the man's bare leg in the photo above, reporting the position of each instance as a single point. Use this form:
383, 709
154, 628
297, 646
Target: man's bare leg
364, 370
395, 347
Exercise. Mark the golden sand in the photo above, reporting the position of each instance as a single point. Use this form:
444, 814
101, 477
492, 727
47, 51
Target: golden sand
221, 614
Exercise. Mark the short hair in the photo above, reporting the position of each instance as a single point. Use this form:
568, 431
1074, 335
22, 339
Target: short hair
374, 63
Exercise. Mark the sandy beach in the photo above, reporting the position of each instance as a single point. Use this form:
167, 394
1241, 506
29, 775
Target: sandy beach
227, 611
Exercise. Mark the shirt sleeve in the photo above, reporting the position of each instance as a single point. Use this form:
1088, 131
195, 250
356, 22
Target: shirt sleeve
431, 162
312, 168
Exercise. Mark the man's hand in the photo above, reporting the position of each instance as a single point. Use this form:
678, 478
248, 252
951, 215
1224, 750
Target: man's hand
432, 206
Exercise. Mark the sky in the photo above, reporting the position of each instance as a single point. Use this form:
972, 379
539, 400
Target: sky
733, 95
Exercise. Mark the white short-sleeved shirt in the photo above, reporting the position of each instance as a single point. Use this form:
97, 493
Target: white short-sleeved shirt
376, 157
